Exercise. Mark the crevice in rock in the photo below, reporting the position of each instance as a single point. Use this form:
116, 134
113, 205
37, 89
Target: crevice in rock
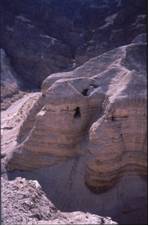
87, 91
77, 113
114, 118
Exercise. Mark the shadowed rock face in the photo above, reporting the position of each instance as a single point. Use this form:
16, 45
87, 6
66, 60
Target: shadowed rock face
9, 84
94, 117
44, 37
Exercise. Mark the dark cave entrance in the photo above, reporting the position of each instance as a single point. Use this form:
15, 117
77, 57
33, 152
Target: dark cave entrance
85, 92
77, 113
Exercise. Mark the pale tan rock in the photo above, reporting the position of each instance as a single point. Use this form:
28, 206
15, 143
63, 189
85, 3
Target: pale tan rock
103, 89
94, 118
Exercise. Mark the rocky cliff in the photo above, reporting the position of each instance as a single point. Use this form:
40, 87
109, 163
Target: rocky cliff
89, 127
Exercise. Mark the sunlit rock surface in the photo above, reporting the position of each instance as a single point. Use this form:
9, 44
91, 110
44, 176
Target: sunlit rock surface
86, 134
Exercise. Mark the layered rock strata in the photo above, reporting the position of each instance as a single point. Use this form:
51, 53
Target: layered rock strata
100, 110
86, 134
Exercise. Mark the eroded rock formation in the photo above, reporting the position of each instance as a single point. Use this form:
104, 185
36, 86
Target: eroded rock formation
83, 137
9, 84
100, 106
88, 128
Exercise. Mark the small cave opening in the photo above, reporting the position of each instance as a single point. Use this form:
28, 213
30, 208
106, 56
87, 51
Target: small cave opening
88, 90
77, 113
85, 92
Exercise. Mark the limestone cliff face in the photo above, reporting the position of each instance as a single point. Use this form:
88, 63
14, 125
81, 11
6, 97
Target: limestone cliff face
86, 134
98, 110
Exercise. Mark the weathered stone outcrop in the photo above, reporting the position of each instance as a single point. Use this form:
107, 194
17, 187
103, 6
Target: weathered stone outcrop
88, 130
100, 109
24, 202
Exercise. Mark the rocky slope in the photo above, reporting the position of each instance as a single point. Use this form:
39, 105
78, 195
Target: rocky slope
24, 202
86, 133
50, 36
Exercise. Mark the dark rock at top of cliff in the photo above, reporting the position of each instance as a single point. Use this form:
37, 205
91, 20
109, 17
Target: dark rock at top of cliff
46, 36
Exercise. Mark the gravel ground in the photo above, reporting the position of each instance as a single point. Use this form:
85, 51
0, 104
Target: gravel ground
24, 202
